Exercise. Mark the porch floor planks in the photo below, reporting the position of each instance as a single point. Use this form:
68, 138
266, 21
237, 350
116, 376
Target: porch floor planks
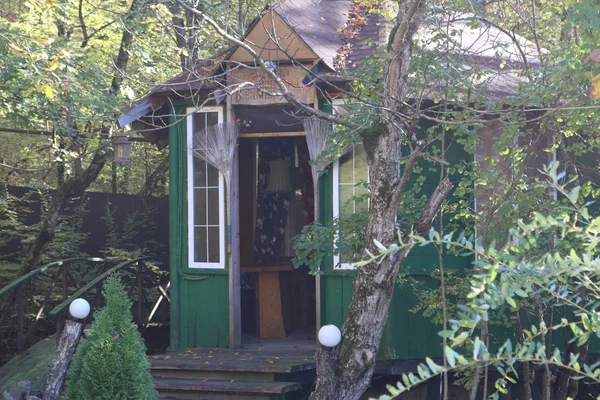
254, 360
239, 374
225, 386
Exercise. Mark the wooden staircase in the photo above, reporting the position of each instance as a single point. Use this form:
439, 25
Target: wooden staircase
233, 374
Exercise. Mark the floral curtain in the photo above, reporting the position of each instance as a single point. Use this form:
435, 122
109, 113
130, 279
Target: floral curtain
271, 207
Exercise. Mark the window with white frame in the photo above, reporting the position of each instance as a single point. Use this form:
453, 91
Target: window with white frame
206, 197
350, 193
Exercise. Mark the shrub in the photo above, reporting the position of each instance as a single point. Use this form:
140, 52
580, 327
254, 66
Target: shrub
111, 362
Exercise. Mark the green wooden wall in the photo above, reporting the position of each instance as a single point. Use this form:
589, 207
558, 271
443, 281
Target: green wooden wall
199, 297
407, 334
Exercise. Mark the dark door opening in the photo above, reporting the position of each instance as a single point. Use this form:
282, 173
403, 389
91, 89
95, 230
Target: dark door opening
276, 195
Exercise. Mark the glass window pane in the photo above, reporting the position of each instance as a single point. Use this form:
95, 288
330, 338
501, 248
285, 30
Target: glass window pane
213, 206
199, 206
361, 171
212, 118
214, 245
200, 245
199, 121
346, 174
346, 205
207, 238
347, 256
199, 173
213, 175
361, 198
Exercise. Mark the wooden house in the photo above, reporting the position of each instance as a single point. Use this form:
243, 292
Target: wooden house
231, 278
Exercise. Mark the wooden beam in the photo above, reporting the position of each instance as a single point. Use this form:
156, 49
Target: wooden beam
80, 134
93, 283
29, 275
235, 304
268, 268
317, 218
271, 134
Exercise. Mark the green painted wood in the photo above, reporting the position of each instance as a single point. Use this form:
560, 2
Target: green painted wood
204, 320
333, 309
177, 214
200, 304
406, 334
347, 287
18, 282
326, 210
93, 283
32, 365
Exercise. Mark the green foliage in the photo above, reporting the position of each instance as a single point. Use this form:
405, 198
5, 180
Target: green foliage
313, 243
346, 234
527, 277
111, 362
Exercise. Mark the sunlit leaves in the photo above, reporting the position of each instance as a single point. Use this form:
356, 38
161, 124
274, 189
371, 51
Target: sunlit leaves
526, 276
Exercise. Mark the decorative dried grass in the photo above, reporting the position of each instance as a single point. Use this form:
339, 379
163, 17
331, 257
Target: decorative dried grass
316, 139
216, 145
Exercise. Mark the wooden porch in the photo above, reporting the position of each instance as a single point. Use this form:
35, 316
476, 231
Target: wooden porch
257, 372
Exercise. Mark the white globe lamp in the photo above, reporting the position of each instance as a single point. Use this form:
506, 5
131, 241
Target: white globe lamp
329, 336
79, 308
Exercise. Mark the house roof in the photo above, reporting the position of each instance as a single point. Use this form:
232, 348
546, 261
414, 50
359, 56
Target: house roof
203, 79
491, 60
317, 23
484, 51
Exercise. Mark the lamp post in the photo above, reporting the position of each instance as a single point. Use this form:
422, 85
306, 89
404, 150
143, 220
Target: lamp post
329, 336
69, 339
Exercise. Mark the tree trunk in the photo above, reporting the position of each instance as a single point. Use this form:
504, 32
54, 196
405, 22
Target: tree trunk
155, 182
346, 373
71, 188
564, 386
78, 184
64, 353
122, 58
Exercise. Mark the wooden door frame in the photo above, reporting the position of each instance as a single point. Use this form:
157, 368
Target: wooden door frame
234, 246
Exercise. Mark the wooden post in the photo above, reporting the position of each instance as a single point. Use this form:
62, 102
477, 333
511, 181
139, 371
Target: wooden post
140, 294
20, 318
60, 320
65, 282
235, 306
64, 353
317, 218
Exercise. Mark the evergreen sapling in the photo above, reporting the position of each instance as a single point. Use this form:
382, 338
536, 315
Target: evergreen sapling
111, 362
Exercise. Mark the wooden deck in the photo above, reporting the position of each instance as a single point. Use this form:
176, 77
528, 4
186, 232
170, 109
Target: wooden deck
30, 366
249, 373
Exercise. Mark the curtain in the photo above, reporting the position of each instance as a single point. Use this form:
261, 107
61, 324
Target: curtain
271, 207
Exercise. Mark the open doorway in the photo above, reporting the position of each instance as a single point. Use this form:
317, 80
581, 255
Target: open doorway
276, 202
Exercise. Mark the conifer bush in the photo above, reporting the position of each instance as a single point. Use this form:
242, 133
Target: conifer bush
111, 362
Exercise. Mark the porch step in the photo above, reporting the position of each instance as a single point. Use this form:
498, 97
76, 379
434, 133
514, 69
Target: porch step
222, 389
228, 374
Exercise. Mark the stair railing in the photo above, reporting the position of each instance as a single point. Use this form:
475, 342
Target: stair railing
144, 277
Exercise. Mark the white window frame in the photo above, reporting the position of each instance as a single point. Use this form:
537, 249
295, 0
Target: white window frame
336, 212
190, 111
